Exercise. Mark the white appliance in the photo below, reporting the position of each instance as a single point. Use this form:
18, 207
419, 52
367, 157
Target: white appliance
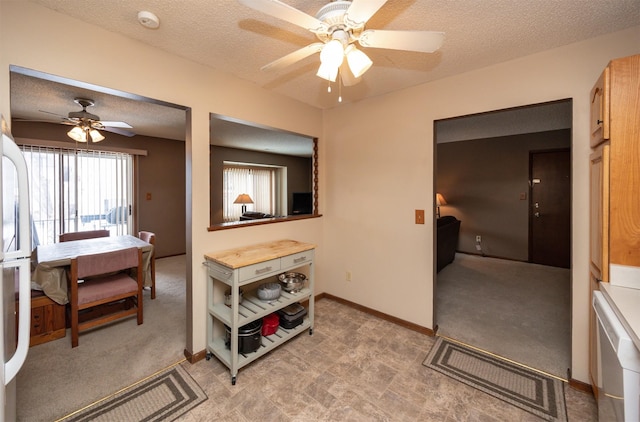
15, 262
618, 367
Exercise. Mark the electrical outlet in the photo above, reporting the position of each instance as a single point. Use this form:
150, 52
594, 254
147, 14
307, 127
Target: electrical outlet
478, 239
347, 276
478, 247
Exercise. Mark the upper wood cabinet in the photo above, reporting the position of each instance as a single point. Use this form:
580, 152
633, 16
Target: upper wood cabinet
600, 110
615, 121
624, 161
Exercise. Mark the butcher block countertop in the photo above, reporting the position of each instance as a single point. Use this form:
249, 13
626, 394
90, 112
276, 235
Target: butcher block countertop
253, 254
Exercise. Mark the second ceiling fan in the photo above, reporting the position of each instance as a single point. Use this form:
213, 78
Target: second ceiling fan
87, 126
339, 25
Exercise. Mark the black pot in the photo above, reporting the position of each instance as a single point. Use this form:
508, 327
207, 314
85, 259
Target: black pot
249, 337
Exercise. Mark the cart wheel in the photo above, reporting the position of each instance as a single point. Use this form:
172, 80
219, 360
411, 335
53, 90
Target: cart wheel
233, 380
310, 331
208, 356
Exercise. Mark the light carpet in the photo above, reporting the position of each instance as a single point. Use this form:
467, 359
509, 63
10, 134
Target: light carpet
164, 396
529, 390
516, 310
57, 380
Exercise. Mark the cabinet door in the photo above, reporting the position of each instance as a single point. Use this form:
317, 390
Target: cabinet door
624, 156
599, 120
599, 212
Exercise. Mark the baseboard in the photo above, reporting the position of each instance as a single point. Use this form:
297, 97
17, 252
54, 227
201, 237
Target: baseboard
579, 385
406, 324
195, 357
484, 255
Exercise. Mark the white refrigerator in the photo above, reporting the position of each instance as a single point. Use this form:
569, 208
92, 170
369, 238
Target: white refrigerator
16, 270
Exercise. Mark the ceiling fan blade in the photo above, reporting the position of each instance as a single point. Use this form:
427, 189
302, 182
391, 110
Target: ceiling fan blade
422, 41
287, 13
348, 79
19, 119
116, 124
361, 11
55, 114
117, 130
296, 56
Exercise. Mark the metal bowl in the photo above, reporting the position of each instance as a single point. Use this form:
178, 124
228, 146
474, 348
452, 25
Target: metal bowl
292, 282
269, 291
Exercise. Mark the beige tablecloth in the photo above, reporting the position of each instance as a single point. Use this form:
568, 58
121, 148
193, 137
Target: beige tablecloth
52, 261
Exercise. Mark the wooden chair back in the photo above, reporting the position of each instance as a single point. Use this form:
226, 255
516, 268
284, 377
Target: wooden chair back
102, 280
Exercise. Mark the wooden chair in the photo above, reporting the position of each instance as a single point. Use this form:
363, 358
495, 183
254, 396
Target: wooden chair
106, 280
150, 237
90, 234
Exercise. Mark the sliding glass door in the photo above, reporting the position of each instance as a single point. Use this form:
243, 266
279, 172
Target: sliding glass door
78, 190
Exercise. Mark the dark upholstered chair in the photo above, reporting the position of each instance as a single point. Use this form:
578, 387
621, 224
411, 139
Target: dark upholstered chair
150, 237
90, 234
448, 228
104, 279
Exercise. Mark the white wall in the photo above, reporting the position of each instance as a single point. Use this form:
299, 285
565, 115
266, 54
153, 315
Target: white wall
41, 39
380, 157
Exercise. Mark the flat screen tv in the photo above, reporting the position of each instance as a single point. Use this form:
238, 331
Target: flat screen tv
302, 203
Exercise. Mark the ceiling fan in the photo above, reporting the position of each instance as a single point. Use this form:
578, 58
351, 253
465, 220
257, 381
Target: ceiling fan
87, 126
339, 25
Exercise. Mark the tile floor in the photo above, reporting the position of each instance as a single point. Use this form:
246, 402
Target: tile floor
355, 367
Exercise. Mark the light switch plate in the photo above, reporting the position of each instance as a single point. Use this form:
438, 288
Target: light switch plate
419, 216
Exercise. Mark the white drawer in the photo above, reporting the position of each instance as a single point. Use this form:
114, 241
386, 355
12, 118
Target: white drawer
261, 269
297, 259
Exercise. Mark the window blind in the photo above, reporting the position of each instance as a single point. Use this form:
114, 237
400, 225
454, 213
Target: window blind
257, 182
77, 190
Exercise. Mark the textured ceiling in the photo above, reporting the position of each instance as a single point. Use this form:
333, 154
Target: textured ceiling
228, 36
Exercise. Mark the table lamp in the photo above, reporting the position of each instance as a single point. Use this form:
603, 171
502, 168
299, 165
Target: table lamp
243, 199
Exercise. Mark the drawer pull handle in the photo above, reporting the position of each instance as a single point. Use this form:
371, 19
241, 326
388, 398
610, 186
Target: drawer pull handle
301, 259
263, 270
599, 122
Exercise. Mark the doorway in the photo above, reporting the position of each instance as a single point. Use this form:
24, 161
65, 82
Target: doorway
483, 169
550, 208
101, 355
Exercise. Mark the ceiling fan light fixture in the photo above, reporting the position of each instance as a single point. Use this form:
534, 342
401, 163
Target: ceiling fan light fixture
95, 135
77, 134
332, 53
328, 72
358, 61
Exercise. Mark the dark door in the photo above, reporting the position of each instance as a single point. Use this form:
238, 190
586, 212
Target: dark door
550, 208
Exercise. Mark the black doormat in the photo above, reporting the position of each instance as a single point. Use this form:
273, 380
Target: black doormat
529, 390
164, 396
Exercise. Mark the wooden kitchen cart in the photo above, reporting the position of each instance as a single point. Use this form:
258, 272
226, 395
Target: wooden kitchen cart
247, 268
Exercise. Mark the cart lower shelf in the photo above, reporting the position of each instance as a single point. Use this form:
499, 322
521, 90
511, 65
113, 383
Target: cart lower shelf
217, 347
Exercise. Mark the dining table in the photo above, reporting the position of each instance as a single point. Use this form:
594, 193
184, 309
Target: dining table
53, 261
